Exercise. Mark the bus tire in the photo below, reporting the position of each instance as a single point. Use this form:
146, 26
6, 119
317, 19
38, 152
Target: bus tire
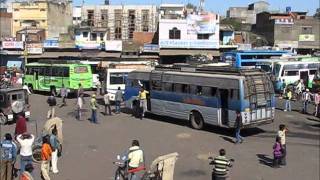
196, 120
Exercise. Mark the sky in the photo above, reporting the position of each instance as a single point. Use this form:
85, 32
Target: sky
221, 6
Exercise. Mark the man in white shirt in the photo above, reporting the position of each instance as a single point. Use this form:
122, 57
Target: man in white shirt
106, 98
282, 134
135, 156
25, 141
25, 87
79, 106
306, 97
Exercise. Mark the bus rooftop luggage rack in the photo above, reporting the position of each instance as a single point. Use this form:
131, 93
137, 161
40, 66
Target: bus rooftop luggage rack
210, 70
58, 61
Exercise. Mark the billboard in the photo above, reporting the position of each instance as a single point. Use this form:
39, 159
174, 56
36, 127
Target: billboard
189, 44
88, 45
35, 48
284, 21
201, 24
113, 45
51, 43
306, 37
12, 45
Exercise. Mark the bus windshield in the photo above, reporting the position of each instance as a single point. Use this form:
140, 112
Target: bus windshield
81, 69
276, 70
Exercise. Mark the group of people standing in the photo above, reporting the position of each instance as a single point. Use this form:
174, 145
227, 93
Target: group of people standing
302, 94
22, 142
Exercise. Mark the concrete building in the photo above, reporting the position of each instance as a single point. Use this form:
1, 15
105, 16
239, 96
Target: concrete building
187, 34
247, 15
290, 30
55, 16
117, 22
76, 16
5, 25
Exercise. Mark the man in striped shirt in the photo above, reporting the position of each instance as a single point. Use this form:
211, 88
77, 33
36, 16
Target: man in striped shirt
220, 163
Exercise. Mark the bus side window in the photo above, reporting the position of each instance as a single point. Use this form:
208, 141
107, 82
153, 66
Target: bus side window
186, 88
156, 85
213, 91
234, 94
168, 86
199, 90
177, 88
206, 91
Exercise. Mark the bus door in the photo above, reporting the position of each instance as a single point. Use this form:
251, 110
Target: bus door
47, 76
304, 74
224, 96
36, 78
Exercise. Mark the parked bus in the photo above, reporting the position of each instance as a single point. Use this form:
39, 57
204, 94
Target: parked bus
250, 58
95, 71
293, 71
50, 75
205, 95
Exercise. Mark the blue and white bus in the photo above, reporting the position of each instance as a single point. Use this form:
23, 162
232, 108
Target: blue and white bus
206, 95
250, 58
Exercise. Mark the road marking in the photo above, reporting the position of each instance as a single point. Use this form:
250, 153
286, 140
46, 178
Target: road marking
289, 116
183, 135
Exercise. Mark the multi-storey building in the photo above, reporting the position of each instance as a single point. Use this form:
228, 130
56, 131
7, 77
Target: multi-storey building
54, 16
290, 30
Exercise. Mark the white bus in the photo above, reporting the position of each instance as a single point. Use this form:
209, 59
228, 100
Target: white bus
292, 71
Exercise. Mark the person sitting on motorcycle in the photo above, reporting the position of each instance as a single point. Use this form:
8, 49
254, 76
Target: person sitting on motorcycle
135, 157
221, 163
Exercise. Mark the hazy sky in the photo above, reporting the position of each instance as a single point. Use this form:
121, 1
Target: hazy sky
220, 6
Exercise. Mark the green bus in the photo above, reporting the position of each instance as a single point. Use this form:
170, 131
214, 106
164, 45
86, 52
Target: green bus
50, 76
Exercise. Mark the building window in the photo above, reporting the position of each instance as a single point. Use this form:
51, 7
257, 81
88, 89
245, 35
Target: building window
174, 33
306, 30
93, 36
42, 9
16, 9
117, 33
203, 36
85, 34
131, 22
101, 36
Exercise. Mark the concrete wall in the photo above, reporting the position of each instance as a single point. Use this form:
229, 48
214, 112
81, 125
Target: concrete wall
5, 24
59, 18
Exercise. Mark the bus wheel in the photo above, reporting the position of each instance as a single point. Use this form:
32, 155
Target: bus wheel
196, 120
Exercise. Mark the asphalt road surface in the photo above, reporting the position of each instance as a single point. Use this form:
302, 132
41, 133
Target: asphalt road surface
90, 149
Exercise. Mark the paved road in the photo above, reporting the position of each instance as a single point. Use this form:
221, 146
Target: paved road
90, 149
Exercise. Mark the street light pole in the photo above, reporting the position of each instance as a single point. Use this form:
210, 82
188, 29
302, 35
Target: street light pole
25, 52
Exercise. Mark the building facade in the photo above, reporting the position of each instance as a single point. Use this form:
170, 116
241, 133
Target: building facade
247, 15
5, 25
187, 34
53, 16
289, 30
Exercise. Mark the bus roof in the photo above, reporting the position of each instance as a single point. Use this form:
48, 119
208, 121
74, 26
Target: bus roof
298, 62
53, 64
257, 52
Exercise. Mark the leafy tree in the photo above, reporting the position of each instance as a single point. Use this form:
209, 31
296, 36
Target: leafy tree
317, 14
191, 6
236, 24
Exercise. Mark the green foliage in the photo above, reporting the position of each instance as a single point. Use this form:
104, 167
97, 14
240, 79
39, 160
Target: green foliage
236, 24
191, 6
317, 14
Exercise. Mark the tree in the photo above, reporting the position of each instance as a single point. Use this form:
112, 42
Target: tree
191, 6
317, 14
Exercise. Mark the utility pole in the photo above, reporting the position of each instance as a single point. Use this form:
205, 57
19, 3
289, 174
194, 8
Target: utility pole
25, 52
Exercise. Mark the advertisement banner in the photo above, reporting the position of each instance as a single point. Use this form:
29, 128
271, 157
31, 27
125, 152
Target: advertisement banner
189, 44
113, 45
12, 45
306, 37
88, 45
284, 21
35, 48
201, 24
151, 48
53, 43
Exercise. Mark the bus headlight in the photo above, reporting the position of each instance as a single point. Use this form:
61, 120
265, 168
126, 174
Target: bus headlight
247, 109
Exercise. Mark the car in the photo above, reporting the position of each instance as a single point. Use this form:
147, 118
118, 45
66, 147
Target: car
13, 101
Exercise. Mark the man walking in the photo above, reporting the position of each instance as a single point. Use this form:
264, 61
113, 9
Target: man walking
118, 99
316, 103
52, 103
8, 157
306, 97
221, 163
54, 145
25, 141
79, 106
94, 106
46, 153
288, 100
282, 134
80, 90
21, 125
238, 126
143, 100
63, 94
106, 98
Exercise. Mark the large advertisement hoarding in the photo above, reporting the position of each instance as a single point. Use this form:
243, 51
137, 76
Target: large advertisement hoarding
201, 24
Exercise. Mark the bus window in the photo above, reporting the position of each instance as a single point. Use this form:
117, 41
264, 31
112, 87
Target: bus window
206, 91
199, 90
156, 85
313, 72
65, 72
168, 86
81, 69
234, 94
277, 68
185, 88
213, 91
177, 88
47, 71
116, 78
291, 73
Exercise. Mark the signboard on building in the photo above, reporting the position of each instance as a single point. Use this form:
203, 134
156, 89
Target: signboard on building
51, 43
151, 48
189, 44
88, 45
35, 48
201, 24
306, 37
284, 21
113, 45
12, 45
